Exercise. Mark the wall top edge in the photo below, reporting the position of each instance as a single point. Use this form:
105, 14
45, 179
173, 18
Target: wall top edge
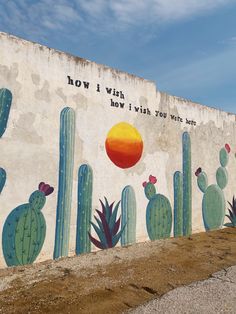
115, 71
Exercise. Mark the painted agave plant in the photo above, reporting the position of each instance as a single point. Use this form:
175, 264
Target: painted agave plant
232, 214
107, 228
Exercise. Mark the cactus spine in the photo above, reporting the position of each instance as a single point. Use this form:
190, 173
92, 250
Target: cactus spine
213, 203
5, 106
183, 192
2, 178
84, 214
25, 228
158, 213
66, 165
128, 216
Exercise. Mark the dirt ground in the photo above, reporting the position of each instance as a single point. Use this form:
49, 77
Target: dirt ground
115, 280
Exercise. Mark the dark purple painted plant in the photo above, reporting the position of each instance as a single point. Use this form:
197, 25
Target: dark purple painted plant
107, 227
232, 214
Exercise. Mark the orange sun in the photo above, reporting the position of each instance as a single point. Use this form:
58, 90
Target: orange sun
124, 145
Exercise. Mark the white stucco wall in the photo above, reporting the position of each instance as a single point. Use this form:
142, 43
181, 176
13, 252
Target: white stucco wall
38, 79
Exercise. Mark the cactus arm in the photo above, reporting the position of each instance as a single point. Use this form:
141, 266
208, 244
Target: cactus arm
224, 157
84, 210
5, 106
66, 165
178, 204
150, 190
128, 216
222, 177
3, 176
187, 185
202, 181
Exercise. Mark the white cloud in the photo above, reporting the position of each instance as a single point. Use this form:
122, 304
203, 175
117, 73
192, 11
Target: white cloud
146, 11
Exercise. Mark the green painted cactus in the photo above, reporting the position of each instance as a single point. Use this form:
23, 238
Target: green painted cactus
128, 216
183, 192
3, 177
178, 204
5, 106
213, 203
66, 167
84, 210
158, 213
25, 228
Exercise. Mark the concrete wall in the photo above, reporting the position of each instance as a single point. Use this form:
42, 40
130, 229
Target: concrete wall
40, 80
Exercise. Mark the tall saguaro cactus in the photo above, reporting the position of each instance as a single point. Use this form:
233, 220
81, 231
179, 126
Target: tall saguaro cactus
84, 214
128, 216
5, 106
183, 192
64, 198
187, 185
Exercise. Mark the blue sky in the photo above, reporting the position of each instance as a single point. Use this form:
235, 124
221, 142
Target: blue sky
188, 47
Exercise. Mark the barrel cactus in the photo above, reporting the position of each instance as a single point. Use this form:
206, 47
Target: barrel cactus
213, 203
158, 213
25, 229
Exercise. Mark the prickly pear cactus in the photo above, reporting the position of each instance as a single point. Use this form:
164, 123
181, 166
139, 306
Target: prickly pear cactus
25, 228
213, 203
5, 106
158, 213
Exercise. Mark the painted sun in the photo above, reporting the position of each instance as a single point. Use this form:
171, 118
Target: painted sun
124, 145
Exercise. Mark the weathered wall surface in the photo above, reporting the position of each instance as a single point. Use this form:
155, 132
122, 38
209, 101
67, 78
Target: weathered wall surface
124, 130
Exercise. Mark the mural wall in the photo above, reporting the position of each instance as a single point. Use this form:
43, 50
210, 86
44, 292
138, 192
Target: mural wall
118, 161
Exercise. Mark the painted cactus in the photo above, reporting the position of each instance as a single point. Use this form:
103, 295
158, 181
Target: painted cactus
158, 213
128, 216
66, 166
183, 192
5, 106
213, 203
25, 228
3, 177
84, 210
107, 227
232, 214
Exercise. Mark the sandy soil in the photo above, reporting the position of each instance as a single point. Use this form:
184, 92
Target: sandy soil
115, 280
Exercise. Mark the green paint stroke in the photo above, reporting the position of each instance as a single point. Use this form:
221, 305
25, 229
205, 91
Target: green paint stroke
66, 167
213, 204
24, 229
84, 210
178, 204
5, 106
158, 212
128, 216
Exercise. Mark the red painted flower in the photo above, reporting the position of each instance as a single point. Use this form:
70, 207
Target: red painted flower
198, 171
144, 184
45, 188
152, 179
227, 147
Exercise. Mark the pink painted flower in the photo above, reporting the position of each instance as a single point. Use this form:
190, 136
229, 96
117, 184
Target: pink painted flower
152, 179
227, 147
144, 184
198, 171
45, 188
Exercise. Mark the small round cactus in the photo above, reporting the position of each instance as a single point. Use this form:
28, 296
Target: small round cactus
158, 213
25, 229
